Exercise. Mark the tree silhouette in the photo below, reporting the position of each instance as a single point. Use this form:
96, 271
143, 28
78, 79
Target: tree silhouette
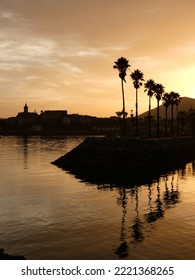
158, 92
120, 115
191, 118
122, 64
138, 77
175, 100
166, 102
182, 118
149, 87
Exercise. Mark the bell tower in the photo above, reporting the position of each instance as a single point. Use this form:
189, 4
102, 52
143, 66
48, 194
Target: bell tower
25, 109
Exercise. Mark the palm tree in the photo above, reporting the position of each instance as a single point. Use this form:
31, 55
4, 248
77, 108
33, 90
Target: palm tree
158, 91
120, 114
166, 102
149, 87
191, 119
138, 77
177, 101
174, 100
122, 64
182, 118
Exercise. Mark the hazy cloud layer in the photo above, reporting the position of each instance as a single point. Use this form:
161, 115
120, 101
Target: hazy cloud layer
58, 54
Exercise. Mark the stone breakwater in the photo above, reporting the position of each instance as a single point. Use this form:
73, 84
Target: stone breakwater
108, 158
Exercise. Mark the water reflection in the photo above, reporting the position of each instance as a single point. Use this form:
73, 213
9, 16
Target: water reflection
171, 194
127, 221
122, 250
193, 168
136, 228
155, 212
150, 203
25, 151
188, 170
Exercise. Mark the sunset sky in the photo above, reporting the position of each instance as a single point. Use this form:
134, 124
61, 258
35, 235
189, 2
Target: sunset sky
59, 54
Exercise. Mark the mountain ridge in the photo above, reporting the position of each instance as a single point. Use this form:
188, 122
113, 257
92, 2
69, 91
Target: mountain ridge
186, 104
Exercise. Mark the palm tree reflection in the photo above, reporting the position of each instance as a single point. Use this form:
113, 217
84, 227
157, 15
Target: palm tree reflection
158, 203
25, 151
193, 167
136, 228
171, 197
122, 200
158, 212
122, 250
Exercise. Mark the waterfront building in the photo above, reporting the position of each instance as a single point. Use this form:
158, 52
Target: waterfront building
27, 118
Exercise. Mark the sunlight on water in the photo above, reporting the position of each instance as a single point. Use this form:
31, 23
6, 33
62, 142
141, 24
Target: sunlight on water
47, 213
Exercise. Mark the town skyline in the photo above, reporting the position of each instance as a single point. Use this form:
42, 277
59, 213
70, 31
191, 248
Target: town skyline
59, 54
185, 104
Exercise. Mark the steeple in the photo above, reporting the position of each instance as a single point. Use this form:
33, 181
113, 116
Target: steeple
25, 109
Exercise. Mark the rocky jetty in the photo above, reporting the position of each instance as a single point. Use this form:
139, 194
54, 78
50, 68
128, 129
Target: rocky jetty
119, 160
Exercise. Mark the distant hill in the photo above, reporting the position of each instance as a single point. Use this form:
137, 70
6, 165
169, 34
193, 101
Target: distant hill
185, 104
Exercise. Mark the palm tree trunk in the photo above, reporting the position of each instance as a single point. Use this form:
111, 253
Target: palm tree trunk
157, 117
149, 117
136, 107
177, 106
172, 119
166, 111
123, 97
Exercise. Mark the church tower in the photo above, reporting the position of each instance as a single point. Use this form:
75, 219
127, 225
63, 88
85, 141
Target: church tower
25, 109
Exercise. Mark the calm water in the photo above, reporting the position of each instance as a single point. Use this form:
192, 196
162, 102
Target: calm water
47, 213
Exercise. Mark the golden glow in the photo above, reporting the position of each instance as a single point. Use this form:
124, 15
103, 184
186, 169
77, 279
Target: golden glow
59, 55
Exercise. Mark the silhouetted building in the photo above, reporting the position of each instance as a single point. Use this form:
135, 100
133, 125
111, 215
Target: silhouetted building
27, 122
27, 118
52, 117
57, 122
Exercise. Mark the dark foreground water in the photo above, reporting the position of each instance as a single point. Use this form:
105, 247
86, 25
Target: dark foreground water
47, 213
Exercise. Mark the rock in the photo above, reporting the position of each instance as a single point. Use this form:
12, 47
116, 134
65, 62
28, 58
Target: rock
116, 160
